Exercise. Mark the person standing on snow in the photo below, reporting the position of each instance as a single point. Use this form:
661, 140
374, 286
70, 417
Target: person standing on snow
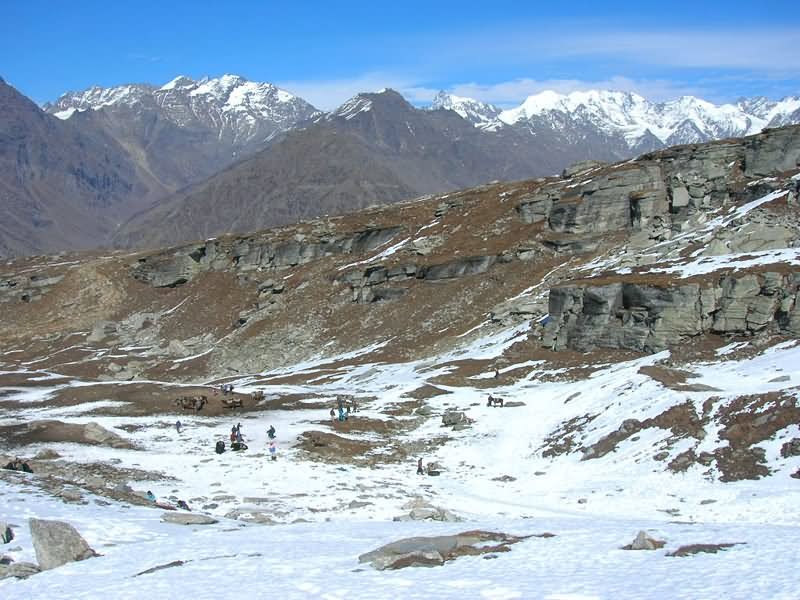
273, 450
420, 470
271, 432
178, 426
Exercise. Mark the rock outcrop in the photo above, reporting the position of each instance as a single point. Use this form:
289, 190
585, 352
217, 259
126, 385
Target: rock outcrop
650, 317
89, 433
258, 252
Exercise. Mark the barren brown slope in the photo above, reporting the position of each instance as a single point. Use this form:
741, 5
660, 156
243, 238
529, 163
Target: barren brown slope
307, 175
62, 184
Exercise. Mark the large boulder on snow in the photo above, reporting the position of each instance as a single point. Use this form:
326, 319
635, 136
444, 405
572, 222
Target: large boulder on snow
88, 433
452, 418
644, 542
187, 518
96, 434
57, 543
434, 551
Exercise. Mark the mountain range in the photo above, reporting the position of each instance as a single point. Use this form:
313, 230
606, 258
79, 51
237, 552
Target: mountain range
145, 165
640, 123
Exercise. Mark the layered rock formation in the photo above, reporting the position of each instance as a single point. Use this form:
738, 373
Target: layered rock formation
651, 317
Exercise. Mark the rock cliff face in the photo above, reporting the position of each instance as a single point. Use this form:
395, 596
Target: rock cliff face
256, 253
651, 317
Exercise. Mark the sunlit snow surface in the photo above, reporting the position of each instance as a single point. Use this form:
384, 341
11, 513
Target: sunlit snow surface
625, 491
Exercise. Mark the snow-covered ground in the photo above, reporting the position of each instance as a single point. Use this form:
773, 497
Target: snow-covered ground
327, 514
319, 560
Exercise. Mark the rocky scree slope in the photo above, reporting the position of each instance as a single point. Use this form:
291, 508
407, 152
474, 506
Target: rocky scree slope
689, 248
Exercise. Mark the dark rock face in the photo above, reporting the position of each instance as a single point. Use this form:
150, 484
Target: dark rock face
771, 151
651, 317
791, 448
57, 543
459, 268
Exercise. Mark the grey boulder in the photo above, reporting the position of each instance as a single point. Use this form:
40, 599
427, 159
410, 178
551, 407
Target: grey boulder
187, 518
434, 551
57, 543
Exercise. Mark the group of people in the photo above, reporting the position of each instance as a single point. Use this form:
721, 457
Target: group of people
179, 504
226, 388
344, 409
18, 465
237, 441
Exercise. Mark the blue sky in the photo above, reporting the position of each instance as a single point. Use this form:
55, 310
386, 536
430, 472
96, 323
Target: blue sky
328, 51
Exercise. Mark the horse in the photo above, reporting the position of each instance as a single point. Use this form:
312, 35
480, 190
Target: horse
492, 401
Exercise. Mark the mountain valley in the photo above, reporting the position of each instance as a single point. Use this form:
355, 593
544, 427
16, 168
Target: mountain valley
639, 319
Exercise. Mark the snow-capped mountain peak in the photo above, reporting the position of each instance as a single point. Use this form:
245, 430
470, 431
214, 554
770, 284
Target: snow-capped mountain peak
357, 104
476, 112
97, 97
237, 109
628, 115
181, 81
